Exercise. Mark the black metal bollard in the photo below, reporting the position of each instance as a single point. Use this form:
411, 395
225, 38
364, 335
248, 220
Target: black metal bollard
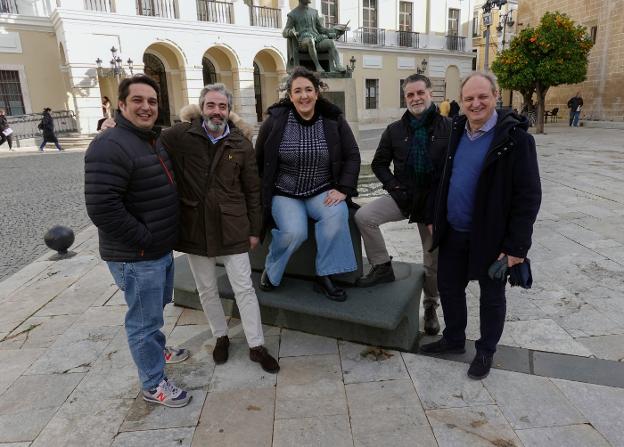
59, 238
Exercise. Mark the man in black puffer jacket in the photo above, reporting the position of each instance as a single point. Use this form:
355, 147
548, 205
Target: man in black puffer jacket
131, 197
415, 145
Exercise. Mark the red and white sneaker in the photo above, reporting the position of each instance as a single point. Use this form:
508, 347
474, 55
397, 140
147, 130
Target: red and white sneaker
167, 394
175, 355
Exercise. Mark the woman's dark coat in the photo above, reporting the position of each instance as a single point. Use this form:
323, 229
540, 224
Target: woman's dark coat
507, 198
344, 153
47, 127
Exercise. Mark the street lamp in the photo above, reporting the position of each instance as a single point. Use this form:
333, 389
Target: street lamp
116, 69
504, 21
352, 62
423, 67
487, 21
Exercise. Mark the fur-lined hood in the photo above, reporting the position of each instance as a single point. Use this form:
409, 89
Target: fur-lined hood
192, 111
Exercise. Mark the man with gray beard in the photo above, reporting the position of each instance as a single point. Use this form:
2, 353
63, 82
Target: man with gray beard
220, 214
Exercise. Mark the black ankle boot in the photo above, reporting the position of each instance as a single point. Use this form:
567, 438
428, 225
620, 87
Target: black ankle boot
265, 282
324, 285
378, 274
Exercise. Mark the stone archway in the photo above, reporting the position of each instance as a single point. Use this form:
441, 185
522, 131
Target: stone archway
452, 82
219, 65
269, 69
165, 64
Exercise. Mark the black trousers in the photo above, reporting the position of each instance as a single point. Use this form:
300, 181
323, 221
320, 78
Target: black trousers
8, 139
452, 282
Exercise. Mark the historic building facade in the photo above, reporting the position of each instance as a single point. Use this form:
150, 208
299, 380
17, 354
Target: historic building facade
603, 91
49, 49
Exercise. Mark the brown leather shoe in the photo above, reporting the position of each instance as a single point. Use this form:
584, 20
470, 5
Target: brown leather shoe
260, 355
220, 352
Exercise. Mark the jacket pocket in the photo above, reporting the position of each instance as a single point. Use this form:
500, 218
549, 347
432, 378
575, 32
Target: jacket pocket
234, 223
189, 219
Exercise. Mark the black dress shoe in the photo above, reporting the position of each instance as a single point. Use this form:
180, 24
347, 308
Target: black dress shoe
480, 366
221, 350
324, 285
442, 347
378, 274
261, 355
265, 283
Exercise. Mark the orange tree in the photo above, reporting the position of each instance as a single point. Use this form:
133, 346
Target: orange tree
553, 53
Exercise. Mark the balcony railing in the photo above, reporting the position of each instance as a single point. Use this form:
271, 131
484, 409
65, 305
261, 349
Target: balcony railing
98, 5
408, 39
157, 8
25, 126
455, 43
8, 7
210, 11
266, 17
370, 36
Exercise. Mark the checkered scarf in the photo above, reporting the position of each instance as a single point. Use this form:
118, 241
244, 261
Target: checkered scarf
418, 157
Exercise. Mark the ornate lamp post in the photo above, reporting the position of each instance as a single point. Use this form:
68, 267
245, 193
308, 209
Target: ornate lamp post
116, 69
487, 21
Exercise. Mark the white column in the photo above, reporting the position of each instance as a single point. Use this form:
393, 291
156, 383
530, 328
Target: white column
241, 13
86, 95
244, 94
284, 7
187, 10
194, 83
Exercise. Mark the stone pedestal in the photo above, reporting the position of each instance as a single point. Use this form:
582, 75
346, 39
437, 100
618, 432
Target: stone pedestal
342, 92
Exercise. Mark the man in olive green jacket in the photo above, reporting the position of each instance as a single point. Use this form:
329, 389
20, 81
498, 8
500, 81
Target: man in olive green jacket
221, 215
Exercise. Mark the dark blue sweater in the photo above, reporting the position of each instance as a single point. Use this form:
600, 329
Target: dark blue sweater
467, 169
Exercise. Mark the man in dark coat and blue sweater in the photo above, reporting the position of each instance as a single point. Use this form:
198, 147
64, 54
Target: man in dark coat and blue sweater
132, 199
486, 204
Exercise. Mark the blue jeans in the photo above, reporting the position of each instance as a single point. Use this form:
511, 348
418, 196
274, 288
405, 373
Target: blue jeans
334, 249
148, 287
574, 118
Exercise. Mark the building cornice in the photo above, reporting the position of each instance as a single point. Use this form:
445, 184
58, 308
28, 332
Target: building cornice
405, 51
27, 23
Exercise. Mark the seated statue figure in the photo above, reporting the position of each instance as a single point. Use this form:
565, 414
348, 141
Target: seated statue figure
305, 32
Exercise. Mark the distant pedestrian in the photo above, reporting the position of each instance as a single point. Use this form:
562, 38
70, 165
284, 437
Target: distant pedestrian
47, 126
445, 107
106, 107
454, 109
575, 104
5, 131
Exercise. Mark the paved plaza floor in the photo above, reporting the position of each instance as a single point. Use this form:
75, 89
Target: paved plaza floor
67, 377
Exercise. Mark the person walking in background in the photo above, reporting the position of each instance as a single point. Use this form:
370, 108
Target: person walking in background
106, 107
445, 107
309, 162
6, 133
47, 127
132, 199
575, 104
415, 145
454, 109
486, 204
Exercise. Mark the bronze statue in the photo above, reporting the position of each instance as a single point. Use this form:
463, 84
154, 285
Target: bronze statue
305, 32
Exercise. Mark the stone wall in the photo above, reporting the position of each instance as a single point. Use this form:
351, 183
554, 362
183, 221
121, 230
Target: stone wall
603, 91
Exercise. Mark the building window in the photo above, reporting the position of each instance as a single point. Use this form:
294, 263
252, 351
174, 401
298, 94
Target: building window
453, 22
329, 8
401, 95
11, 98
475, 24
372, 93
369, 13
405, 16
593, 32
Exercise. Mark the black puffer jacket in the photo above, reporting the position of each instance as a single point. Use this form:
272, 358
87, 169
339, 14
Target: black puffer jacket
507, 198
394, 147
130, 194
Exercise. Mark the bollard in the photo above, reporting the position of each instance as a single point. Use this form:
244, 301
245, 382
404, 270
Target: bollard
59, 238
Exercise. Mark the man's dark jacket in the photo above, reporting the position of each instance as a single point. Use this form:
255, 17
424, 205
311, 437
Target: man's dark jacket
47, 126
219, 189
344, 153
574, 103
394, 147
130, 194
507, 198
4, 124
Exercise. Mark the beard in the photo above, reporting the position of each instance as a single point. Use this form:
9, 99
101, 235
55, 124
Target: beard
213, 126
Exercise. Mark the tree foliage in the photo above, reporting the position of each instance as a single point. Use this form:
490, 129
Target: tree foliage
553, 53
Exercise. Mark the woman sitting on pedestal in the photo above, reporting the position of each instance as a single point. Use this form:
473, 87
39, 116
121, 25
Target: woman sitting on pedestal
309, 162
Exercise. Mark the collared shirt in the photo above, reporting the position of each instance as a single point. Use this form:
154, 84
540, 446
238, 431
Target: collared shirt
226, 132
489, 125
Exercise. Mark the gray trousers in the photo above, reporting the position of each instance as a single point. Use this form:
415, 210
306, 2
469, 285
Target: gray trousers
383, 210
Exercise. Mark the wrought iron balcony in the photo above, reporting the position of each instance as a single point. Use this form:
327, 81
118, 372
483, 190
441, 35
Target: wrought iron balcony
408, 39
218, 12
266, 17
98, 5
370, 36
157, 8
455, 43
8, 7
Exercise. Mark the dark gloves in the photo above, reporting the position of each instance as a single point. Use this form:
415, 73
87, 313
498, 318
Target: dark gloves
519, 274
